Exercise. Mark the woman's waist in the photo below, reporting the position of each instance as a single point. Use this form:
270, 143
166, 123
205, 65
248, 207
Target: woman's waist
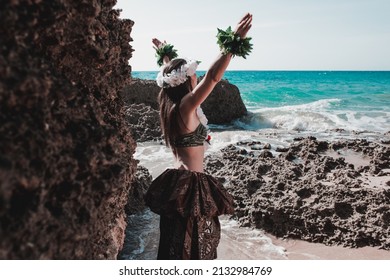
188, 162
190, 166
190, 154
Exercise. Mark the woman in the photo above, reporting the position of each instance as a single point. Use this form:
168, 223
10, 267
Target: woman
188, 200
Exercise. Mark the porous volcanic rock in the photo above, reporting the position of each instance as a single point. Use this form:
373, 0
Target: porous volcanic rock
313, 190
139, 186
144, 122
65, 148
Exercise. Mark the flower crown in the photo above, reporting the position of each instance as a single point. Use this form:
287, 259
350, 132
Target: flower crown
177, 76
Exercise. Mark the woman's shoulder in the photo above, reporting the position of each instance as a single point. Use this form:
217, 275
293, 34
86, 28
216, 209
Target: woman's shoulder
189, 119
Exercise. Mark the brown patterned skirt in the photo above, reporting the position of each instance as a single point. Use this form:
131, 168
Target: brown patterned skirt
189, 204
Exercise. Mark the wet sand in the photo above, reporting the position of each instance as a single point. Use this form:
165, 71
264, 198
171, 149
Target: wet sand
241, 243
302, 250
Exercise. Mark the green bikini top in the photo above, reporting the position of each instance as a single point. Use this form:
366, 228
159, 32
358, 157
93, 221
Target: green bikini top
192, 139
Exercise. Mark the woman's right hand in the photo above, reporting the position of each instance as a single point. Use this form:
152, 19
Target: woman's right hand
244, 25
157, 43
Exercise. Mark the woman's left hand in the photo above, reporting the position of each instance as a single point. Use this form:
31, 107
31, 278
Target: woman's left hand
244, 25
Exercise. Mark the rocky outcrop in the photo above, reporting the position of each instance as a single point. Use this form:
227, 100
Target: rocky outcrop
222, 106
65, 149
328, 192
138, 188
144, 122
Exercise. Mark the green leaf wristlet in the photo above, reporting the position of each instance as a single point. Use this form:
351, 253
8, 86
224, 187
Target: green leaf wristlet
165, 50
229, 42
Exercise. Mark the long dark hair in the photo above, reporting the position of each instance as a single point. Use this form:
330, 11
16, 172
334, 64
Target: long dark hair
169, 99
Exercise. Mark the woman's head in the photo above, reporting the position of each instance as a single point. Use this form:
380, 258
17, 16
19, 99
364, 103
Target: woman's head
177, 78
178, 86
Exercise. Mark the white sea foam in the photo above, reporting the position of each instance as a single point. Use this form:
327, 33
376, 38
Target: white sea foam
316, 116
154, 156
246, 243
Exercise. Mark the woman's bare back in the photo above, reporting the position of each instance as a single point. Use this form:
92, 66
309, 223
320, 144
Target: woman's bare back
189, 158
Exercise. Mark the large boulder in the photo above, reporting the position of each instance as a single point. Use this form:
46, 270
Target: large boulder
65, 148
141, 92
224, 104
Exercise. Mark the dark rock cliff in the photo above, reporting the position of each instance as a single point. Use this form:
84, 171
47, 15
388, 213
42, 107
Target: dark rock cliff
65, 150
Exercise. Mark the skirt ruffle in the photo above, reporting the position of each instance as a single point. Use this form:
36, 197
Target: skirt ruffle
189, 204
188, 193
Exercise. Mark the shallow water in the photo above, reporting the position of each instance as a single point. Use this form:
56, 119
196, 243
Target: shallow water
142, 235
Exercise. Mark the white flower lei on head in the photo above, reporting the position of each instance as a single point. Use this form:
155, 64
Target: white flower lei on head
177, 76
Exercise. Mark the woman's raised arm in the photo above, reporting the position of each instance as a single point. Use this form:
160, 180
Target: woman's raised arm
216, 71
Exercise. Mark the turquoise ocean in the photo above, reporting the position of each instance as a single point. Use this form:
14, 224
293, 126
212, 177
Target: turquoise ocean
282, 105
312, 101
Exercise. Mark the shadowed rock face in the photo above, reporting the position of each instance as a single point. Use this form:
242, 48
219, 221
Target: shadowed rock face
65, 150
